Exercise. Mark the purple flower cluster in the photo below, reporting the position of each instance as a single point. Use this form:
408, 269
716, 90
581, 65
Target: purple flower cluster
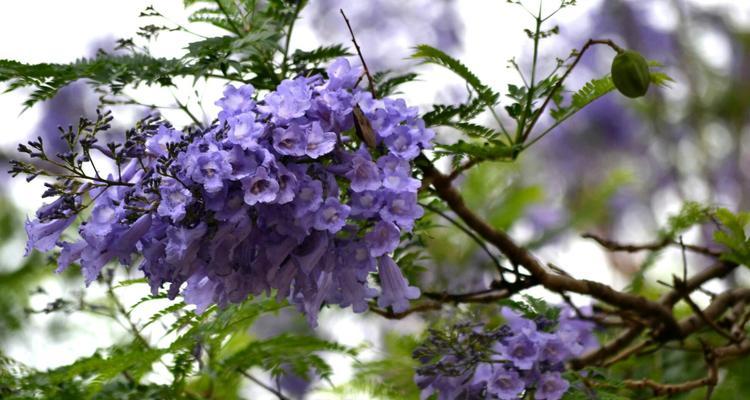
506, 362
277, 197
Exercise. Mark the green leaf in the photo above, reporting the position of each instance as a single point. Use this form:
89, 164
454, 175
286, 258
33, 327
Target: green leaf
474, 130
316, 57
734, 235
116, 71
591, 91
690, 214
432, 55
386, 85
442, 114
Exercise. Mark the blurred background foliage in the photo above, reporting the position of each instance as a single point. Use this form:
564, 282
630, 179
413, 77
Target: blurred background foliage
616, 169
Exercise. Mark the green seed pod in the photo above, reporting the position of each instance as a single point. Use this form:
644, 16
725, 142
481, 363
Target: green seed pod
630, 74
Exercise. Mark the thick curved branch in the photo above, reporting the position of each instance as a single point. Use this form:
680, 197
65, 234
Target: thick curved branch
660, 315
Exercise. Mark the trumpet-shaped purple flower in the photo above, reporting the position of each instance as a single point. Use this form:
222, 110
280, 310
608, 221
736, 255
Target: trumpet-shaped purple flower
319, 142
174, 200
44, 235
309, 196
364, 174
273, 198
209, 169
290, 100
397, 174
551, 386
402, 209
521, 350
157, 144
396, 291
366, 204
290, 141
505, 383
383, 238
403, 142
341, 75
245, 131
260, 188
331, 216
236, 101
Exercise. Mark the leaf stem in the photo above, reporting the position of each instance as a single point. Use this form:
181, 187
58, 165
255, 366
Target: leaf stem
285, 60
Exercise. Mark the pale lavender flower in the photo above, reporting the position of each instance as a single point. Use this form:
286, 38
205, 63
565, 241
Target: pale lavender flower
174, 200
402, 208
290, 100
383, 238
331, 216
506, 383
551, 386
245, 131
364, 174
260, 188
236, 101
319, 142
397, 174
290, 141
396, 291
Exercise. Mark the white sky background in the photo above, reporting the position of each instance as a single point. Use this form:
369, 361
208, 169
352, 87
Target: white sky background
34, 31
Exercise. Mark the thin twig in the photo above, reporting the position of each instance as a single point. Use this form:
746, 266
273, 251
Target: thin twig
257, 381
361, 58
500, 268
559, 83
652, 246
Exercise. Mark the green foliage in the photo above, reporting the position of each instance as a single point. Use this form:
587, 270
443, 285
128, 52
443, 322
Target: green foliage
443, 114
533, 307
690, 215
115, 71
733, 234
297, 352
386, 82
313, 60
591, 91
432, 55
389, 376
251, 46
